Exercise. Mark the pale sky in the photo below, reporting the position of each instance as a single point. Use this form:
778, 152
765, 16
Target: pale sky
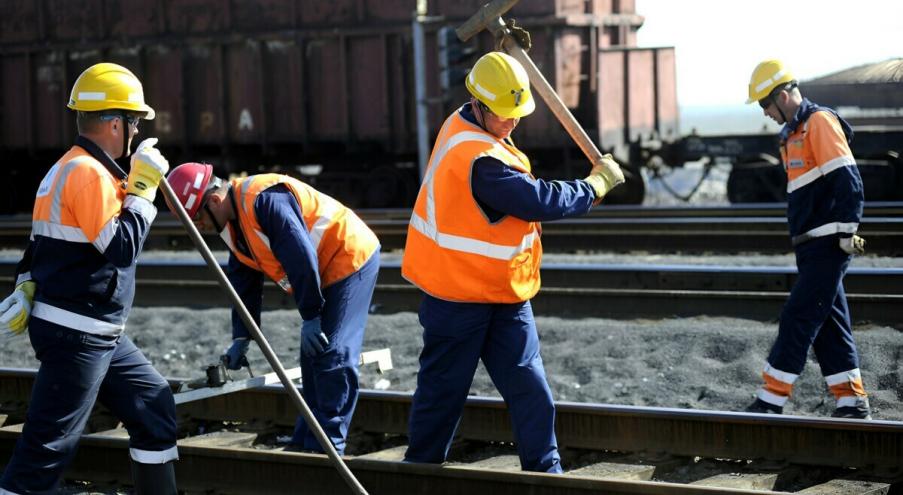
719, 42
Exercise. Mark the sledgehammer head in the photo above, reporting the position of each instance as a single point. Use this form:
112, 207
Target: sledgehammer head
485, 18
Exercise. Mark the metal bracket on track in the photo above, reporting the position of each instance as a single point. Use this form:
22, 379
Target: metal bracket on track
236, 386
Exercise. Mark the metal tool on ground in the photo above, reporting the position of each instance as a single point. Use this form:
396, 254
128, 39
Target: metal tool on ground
489, 17
211, 389
382, 358
262, 343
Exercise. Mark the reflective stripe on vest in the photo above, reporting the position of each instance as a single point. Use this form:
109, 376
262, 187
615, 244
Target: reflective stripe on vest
326, 220
799, 154
452, 251
428, 226
49, 219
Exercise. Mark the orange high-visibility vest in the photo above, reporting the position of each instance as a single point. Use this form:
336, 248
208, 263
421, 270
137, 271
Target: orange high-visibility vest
342, 241
453, 252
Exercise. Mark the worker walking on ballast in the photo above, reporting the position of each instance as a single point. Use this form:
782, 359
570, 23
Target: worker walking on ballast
75, 287
824, 208
315, 249
473, 247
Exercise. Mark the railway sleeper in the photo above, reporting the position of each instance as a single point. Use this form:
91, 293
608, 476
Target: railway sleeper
250, 458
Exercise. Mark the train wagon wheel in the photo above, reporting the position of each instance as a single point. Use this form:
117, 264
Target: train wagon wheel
631, 192
757, 182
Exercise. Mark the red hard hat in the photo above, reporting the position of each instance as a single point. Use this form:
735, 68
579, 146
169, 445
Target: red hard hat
190, 181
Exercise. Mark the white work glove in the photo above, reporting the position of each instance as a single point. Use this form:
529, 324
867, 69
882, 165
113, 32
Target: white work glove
15, 310
604, 176
148, 167
852, 245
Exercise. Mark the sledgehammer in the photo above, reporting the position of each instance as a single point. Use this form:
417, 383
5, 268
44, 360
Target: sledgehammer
490, 17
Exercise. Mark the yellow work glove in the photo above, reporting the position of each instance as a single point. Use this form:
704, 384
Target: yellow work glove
148, 167
852, 245
16, 309
604, 176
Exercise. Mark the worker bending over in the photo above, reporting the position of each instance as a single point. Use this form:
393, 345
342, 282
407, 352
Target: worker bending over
315, 249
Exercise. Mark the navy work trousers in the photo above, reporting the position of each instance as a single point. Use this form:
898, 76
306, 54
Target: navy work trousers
330, 379
816, 313
76, 370
456, 336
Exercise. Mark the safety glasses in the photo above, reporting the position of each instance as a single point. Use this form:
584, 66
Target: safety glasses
131, 119
768, 100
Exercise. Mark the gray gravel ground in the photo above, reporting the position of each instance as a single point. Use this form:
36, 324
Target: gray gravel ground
699, 363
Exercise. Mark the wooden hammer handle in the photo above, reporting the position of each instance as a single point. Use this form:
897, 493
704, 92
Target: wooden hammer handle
559, 109
485, 18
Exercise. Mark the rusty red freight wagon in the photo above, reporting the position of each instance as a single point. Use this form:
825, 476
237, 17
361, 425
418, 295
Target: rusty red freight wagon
322, 87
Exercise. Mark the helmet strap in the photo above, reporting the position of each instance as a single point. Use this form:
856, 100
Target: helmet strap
478, 112
126, 130
216, 225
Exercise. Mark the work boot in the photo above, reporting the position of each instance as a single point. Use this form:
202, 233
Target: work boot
860, 410
761, 407
154, 479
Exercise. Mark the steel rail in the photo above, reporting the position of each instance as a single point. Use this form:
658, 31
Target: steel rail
605, 229
209, 462
874, 294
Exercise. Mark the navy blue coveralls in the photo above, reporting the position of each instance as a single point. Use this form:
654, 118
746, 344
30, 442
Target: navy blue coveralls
456, 336
83, 353
825, 202
330, 379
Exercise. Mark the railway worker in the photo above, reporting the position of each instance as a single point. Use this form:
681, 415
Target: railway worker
74, 292
824, 207
473, 248
315, 249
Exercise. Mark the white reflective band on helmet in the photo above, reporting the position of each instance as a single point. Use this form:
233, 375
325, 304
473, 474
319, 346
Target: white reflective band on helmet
189, 203
480, 89
764, 84
92, 96
139, 97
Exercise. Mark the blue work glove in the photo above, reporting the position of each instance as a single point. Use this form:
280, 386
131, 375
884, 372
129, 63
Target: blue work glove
313, 340
234, 358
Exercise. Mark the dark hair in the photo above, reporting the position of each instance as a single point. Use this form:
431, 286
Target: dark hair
87, 122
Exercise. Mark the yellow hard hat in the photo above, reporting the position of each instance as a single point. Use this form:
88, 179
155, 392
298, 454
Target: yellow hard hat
767, 76
107, 86
501, 83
